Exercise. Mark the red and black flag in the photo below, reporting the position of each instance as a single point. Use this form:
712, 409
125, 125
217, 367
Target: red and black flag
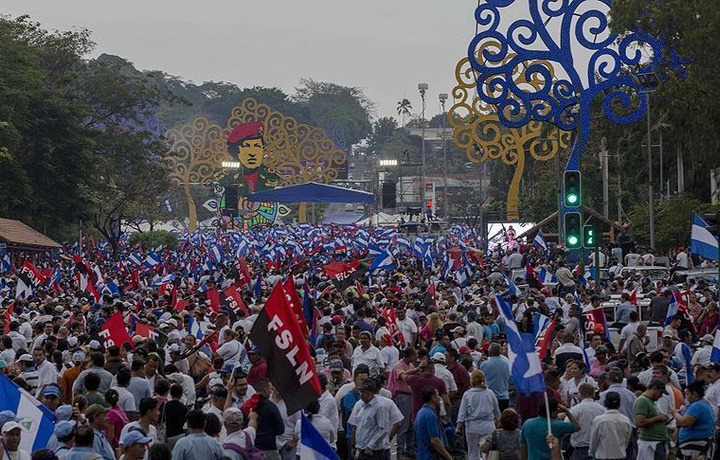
234, 300
343, 275
29, 279
291, 369
85, 277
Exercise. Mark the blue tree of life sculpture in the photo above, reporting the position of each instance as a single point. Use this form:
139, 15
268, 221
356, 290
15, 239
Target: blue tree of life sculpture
589, 61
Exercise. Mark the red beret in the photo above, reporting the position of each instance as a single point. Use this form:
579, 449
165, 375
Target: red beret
249, 130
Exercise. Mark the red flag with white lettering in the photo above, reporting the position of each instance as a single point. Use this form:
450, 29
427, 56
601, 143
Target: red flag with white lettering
114, 332
296, 304
291, 369
234, 299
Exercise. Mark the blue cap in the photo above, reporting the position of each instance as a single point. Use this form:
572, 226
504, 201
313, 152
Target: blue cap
64, 429
134, 437
226, 369
51, 390
255, 350
63, 412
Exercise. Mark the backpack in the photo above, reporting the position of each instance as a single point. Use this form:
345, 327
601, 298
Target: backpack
249, 452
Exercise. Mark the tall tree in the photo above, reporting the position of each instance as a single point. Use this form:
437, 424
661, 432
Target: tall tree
403, 110
331, 104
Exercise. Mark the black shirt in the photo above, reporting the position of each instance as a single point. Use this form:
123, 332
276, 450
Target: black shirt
270, 424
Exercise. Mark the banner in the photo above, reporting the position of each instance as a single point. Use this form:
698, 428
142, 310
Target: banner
596, 317
150, 332
214, 297
290, 367
297, 305
114, 332
32, 275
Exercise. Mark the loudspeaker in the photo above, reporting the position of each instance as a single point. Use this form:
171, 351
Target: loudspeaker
389, 190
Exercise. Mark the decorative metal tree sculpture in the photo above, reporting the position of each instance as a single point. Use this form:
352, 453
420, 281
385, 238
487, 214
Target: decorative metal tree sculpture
573, 37
296, 151
478, 131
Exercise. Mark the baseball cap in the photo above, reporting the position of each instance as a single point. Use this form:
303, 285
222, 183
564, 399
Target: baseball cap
63, 412
78, 357
438, 357
220, 392
94, 410
336, 365
25, 358
464, 350
64, 429
94, 345
134, 437
254, 350
233, 417
214, 382
8, 416
72, 341
51, 390
9, 426
667, 334
708, 338
657, 384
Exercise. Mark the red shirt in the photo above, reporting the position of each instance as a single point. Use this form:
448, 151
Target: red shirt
419, 381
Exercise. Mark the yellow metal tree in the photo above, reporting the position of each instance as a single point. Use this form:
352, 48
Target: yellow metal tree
477, 130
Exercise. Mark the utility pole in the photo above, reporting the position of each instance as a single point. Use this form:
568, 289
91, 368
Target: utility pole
605, 177
422, 87
443, 97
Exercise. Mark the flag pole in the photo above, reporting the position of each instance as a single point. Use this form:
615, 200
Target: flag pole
547, 414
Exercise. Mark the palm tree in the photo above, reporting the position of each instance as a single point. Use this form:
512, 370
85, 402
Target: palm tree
403, 109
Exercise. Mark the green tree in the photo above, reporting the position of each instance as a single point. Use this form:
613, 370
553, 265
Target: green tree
403, 110
331, 104
686, 106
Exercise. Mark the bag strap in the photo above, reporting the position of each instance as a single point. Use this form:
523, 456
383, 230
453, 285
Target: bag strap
494, 440
234, 447
248, 441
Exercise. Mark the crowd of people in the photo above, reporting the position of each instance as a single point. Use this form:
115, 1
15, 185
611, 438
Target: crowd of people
436, 382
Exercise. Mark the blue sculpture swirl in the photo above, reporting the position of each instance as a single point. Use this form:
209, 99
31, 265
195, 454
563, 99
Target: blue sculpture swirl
564, 33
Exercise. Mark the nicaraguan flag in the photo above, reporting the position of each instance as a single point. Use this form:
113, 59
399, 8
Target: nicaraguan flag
113, 287
312, 445
5, 264
702, 242
217, 254
540, 241
546, 277
715, 355
512, 287
524, 361
160, 280
689, 375
383, 261
152, 260
135, 259
673, 309
540, 323
37, 422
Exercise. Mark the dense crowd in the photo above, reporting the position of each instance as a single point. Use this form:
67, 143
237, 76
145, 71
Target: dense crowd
434, 381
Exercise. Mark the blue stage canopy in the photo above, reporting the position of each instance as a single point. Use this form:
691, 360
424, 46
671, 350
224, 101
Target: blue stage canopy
313, 192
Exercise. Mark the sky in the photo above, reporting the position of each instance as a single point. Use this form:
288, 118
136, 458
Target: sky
385, 47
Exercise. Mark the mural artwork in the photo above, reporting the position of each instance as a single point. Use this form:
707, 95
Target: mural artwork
261, 149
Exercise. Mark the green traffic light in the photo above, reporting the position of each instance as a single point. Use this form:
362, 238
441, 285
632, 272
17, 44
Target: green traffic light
572, 198
573, 240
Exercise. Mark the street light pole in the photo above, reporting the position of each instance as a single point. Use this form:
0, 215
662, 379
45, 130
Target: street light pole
651, 192
443, 97
422, 87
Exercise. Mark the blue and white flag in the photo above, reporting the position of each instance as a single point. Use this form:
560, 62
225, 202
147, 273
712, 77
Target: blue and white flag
524, 361
135, 259
36, 420
383, 261
540, 241
689, 375
702, 242
217, 254
152, 260
512, 288
715, 355
540, 323
312, 445
673, 309
5, 264
160, 280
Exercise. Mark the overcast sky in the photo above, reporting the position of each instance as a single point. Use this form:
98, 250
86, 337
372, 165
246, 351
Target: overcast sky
385, 47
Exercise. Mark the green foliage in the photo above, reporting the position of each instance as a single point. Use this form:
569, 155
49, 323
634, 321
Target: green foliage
154, 239
673, 220
686, 108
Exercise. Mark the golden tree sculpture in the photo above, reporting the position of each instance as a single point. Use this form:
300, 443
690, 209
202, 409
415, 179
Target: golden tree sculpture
297, 151
478, 131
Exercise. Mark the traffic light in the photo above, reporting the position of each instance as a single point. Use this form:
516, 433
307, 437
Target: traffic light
571, 189
592, 235
573, 230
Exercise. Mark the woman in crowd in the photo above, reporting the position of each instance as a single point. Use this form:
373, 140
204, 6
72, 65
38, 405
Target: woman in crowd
506, 440
478, 411
697, 424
